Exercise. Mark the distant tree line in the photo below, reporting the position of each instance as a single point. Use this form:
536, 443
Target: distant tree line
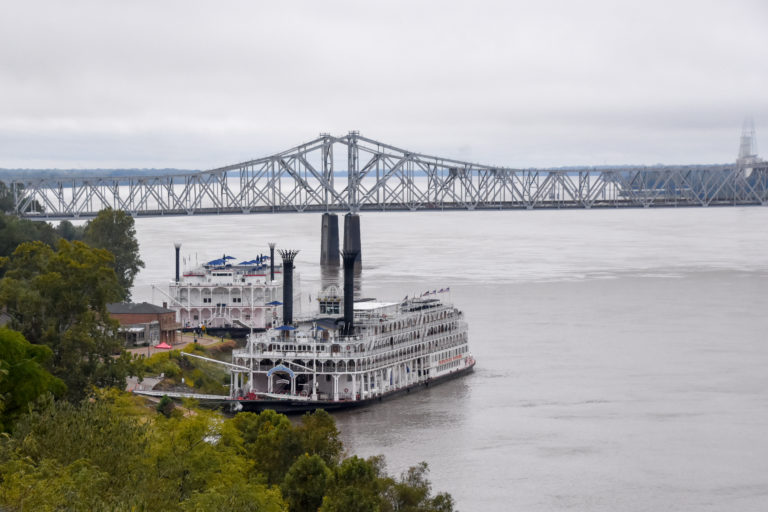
9, 174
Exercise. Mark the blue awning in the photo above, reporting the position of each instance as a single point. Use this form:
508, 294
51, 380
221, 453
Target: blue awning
281, 368
274, 303
286, 328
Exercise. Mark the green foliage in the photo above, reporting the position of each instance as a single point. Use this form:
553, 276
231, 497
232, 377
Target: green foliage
240, 496
319, 435
201, 376
22, 376
186, 451
354, 487
114, 230
166, 363
58, 299
270, 441
412, 493
85, 452
7, 200
166, 406
104, 454
305, 483
69, 231
50, 486
15, 231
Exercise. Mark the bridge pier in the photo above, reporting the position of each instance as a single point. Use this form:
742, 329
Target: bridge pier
329, 240
352, 237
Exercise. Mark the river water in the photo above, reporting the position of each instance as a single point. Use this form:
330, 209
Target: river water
622, 354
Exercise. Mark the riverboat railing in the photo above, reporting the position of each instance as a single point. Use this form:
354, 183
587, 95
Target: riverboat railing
384, 357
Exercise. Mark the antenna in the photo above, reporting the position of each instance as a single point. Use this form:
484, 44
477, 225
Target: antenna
748, 142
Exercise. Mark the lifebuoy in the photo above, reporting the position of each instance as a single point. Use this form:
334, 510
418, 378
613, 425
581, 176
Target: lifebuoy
346, 390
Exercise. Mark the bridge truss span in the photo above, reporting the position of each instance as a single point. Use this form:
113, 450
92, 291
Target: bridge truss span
355, 173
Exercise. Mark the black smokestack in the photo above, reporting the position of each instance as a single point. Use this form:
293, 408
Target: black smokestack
288, 256
271, 262
178, 248
349, 258
352, 236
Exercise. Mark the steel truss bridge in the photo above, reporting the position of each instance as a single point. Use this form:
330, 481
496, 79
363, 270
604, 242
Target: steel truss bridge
355, 173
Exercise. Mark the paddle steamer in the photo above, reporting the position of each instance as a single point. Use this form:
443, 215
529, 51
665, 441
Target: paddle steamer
224, 293
351, 353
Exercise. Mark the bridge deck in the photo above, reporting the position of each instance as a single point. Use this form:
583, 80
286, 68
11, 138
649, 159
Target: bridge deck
380, 177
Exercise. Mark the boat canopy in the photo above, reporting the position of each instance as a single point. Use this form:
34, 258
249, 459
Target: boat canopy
281, 368
221, 261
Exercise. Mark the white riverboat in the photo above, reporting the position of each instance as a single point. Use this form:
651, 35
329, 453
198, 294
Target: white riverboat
224, 293
376, 350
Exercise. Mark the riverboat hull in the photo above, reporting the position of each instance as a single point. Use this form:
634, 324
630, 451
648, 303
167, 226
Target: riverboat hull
295, 406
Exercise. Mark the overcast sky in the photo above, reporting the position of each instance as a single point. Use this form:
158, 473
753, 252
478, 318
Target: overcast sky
198, 85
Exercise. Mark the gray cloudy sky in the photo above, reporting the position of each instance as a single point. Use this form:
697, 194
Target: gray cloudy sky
519, 83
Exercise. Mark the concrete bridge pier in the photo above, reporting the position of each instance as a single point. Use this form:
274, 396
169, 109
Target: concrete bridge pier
352, 237
329, 240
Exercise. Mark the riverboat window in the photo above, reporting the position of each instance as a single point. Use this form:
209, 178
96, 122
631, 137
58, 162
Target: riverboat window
237, 299
206, 300
195, 317
330, 307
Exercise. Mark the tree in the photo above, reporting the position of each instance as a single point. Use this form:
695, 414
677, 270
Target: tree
319, 435
270, 442
84, 456
166, 406
8, 201
15, 231
354, 487
59, 299
305, 483
240, 497
22, 376
197, 454
69, 231
102, 454
412, 493
114, 230
110, 452
6, 198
